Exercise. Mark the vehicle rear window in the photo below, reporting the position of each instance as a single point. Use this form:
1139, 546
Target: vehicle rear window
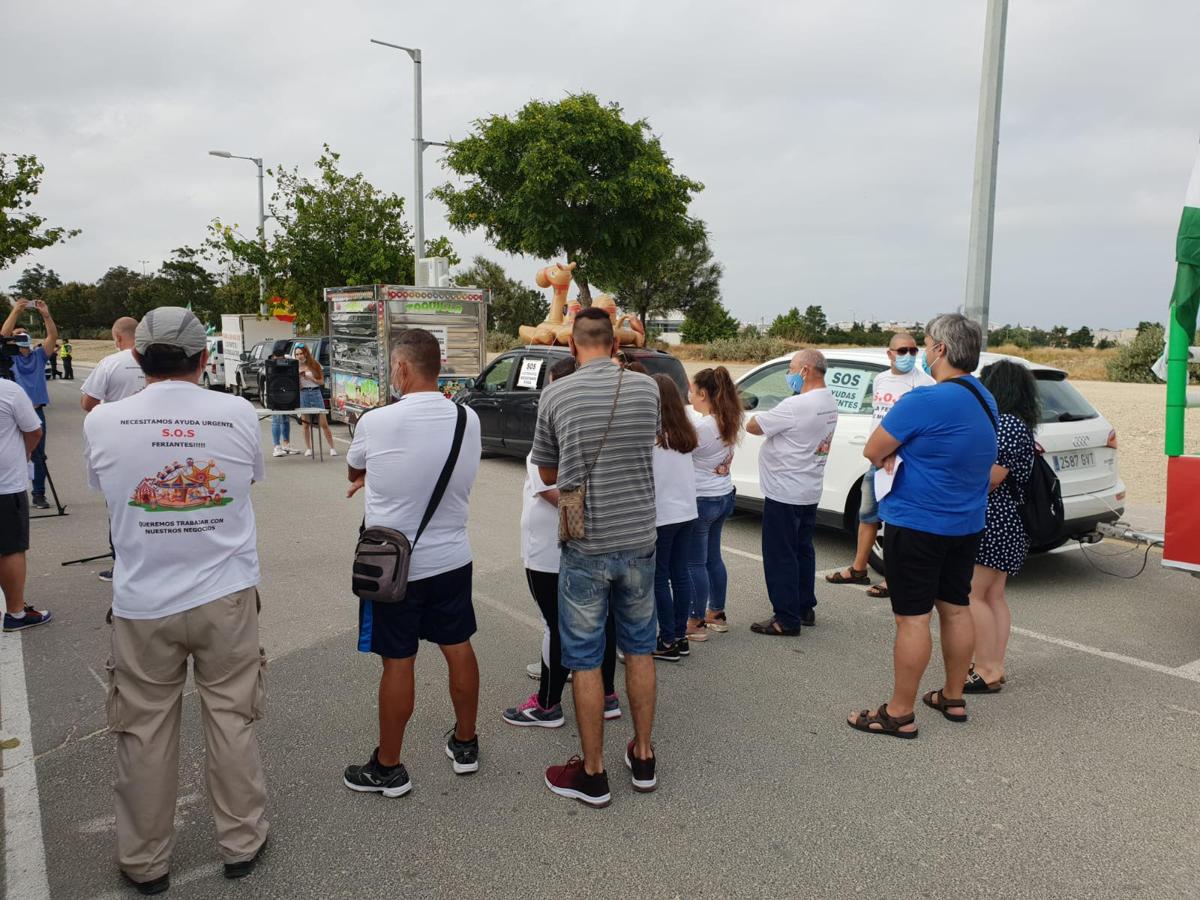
669, 366
1060, 401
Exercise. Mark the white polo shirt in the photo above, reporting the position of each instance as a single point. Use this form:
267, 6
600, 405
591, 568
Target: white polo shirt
709, 455
799, 435
539, 523
674, 487
403, 447
17, 418
175, 463
115, 377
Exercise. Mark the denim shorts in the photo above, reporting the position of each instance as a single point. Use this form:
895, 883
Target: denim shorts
868, 507
310, 398
588, 586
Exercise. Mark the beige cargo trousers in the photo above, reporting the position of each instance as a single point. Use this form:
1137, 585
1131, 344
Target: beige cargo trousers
146, 678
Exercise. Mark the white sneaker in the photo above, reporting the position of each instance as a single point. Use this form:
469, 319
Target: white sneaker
288, 448
308, 452
332, 452
534, 671
279, 451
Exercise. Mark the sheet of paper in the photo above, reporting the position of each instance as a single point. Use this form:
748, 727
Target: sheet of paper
884, 480
528, 376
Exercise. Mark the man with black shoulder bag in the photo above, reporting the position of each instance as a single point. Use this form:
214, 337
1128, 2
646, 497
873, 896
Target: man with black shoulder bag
417, 459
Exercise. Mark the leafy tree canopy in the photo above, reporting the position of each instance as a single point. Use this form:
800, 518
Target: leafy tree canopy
573, 179
35, 281
512, 304
707, 321
21, 230
682, 279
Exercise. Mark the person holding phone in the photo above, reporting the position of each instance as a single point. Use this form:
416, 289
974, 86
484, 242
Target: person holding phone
312, 376
29, 371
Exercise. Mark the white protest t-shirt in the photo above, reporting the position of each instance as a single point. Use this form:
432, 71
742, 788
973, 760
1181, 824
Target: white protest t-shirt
17, 417
539, 524
890, 387
710, 453
402, 447
674, 487
799, 434
115, 377
175, 463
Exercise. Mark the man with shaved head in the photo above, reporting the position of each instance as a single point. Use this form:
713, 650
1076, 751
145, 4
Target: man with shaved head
118, 375
791, 470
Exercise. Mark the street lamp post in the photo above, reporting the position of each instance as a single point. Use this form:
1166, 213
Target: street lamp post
262, 226
419, 145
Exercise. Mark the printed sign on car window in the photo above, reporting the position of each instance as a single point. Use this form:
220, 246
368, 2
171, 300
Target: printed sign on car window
528, 376
851, 388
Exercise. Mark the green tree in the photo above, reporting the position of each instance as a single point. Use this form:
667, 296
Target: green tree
815, 321
336, 230
1081, 338
117, 295
572, 178
21, 230
1058, 336
74, 308
35, 281
681, 280
708, 320
1135, 359
512, 304
790, 326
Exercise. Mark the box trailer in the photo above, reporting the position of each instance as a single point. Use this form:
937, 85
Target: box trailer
241, 332
365, 321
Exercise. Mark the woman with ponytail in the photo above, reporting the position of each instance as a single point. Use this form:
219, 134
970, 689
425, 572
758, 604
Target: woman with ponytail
717, 409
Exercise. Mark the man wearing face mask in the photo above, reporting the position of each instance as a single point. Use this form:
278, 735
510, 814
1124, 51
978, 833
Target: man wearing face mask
888, 388
791, 469
29, 370
398, 453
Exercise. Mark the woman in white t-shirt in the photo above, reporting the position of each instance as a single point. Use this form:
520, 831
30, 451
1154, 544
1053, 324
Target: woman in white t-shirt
717, 410
312, 376
540, 552
675, 518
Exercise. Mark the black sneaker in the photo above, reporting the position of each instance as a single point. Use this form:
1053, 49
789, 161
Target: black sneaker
32, 618
148, 888
246, 866
38, 501
683, 648
106, 575
667, 652
464, 754
391, 781
809, 618
573, 781
644, 779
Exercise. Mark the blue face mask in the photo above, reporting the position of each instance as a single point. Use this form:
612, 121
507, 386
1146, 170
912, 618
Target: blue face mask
925, 364
796, 382
906, 363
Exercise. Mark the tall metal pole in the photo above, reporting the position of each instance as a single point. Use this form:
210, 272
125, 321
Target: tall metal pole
987, 148
418, 152
262, 243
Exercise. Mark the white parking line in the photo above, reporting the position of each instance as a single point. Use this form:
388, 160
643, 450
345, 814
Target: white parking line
24, 853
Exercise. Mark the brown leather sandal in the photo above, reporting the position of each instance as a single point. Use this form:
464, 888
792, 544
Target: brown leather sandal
889, 725
857, 576
944, 704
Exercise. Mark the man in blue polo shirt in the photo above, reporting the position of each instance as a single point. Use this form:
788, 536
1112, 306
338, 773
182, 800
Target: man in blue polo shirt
939, 442
29, 370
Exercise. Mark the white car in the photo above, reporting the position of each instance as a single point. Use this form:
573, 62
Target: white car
214, 372
1079, 443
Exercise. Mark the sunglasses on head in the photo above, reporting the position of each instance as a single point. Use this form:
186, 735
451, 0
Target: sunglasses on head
904, 351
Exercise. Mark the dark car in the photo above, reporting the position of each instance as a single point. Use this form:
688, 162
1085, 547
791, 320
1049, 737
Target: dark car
505, 395
250, 370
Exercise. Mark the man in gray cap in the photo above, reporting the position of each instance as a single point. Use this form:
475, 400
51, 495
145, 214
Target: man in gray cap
184, 584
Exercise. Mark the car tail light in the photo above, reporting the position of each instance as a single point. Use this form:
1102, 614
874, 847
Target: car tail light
1112, 439
1120, 497
1038, 448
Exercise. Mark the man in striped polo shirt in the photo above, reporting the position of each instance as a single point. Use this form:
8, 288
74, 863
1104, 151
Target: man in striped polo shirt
599, 427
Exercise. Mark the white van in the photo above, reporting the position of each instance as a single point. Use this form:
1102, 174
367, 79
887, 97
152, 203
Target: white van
1078, 442
214, 371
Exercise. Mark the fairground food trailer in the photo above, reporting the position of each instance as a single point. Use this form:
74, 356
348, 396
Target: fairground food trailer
364, 322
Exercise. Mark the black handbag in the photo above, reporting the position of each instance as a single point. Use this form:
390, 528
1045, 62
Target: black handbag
383, 555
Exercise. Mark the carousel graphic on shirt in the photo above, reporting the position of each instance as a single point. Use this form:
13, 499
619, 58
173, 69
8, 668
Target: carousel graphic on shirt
182, 486
825, 446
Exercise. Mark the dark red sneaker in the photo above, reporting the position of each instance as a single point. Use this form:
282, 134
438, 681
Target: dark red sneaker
644, 779
573, 781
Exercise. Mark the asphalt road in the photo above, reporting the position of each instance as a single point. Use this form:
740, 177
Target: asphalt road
1079, 780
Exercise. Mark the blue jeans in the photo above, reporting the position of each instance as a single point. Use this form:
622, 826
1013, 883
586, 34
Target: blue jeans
789, 560
709, 578
39, 457
281, 430
672, 580
588, 587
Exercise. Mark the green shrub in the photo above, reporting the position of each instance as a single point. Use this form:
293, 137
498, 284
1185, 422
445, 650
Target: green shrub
498, 342
746, 349
1135, 359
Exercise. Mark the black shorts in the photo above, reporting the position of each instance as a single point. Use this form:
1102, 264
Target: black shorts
924, 567
436, 609
14, 523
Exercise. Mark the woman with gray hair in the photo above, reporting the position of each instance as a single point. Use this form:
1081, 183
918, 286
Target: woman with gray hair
939, 444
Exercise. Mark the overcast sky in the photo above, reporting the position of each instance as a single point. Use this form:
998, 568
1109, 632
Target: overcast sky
835, 139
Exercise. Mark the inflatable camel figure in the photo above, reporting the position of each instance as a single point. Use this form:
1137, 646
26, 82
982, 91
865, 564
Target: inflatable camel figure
556, 328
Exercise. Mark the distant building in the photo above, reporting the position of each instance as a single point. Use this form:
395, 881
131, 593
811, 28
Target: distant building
1119, 336
668, 326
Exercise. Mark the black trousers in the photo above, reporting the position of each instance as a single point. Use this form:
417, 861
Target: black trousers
544, 587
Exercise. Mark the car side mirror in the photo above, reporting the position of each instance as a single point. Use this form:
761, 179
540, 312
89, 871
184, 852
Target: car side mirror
469, 384
749, 401
244, 356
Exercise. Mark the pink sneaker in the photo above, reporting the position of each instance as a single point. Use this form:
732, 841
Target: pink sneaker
531, 713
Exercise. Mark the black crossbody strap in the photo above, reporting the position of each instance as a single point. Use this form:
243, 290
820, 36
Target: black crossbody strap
978, 396
439, 489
